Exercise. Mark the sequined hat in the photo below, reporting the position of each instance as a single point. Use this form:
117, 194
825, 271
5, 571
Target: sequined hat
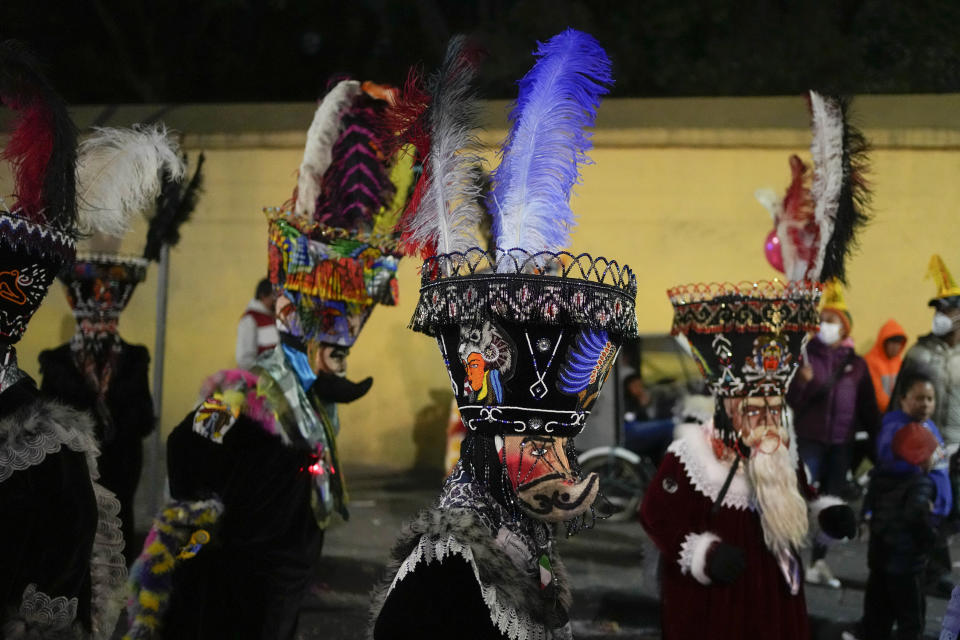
746, 339
528, 342
528, 332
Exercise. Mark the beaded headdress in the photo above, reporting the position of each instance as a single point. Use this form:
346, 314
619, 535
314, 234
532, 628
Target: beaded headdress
748, 339
528, 332
333, 252
122, 173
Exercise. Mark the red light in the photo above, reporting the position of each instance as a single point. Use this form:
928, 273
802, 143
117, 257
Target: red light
316, 469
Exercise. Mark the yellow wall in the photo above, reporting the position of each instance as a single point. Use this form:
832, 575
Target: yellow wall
676, 212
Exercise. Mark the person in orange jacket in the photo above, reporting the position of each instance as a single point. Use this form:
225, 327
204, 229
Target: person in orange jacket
885, 359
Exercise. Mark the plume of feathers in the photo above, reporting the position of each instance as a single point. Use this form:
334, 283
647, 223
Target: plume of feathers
796, 225
119, 174
357, 184
43, 144
839, 189
174, 206
547, 143
411, 136
318, 151
444, 209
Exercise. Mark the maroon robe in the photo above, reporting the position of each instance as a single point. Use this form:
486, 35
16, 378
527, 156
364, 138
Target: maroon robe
676, 512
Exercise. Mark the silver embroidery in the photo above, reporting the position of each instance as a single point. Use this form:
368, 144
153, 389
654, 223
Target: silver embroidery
39, 609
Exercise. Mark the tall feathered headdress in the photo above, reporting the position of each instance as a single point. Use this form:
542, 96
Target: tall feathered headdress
121, 174
37, 233
548, 143
333, 251
444, 211
470, 297
818, 218
42, 145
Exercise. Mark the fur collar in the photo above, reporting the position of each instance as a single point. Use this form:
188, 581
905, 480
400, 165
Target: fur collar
692, 445
40, 428
511, 594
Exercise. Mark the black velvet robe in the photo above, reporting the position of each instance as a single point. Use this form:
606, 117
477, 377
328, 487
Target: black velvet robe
48, 514
250, 580
130, 406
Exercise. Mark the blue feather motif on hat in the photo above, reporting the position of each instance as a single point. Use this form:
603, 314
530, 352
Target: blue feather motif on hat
586, 362
548, 142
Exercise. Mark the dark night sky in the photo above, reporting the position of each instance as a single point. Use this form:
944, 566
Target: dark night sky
284, 50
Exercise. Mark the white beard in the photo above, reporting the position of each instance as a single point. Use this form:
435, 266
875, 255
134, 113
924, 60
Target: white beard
783, 511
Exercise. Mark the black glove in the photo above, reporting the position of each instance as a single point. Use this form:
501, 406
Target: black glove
334, 388
725, 563
838, 522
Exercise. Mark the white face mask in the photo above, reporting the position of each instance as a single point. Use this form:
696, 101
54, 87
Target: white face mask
829, 332
942, 324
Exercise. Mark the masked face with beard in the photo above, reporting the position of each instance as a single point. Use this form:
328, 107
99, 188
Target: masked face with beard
760, 423
540, 474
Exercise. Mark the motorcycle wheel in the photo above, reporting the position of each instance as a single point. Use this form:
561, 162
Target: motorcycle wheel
621, 482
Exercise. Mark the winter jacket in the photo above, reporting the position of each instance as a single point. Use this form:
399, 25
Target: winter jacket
943, 362
832, 414
901, 530
888, 462
884, 370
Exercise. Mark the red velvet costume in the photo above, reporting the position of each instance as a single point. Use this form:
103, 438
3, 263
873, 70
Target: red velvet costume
676, 512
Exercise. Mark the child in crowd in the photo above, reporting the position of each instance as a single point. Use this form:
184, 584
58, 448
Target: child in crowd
901, 533
917, 403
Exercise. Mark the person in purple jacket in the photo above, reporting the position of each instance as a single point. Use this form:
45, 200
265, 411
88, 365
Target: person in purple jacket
832, 398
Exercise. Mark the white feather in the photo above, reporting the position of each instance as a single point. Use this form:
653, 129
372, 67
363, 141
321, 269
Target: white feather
119, 174
770, 201
321, 136
826, 148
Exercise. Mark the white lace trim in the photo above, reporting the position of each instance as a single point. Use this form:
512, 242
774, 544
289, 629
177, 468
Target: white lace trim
693, 555
108, 568
29, 444
37, 608
707, 474
512, 623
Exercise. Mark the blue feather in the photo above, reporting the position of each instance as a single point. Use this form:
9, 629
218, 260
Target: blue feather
583, 359
548, 142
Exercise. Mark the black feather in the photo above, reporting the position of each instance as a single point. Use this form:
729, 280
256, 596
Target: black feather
854, 200
23, 87
174, 206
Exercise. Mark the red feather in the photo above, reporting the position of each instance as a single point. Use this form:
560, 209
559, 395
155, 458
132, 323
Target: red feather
407, 119
28, 150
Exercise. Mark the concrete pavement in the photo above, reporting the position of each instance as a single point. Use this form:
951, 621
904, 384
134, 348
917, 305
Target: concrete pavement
613, 569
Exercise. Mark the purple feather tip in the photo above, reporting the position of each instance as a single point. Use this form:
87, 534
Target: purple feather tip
548, 142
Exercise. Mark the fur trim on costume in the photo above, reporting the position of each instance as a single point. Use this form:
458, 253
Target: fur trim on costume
108, 567
44, 427
816, 507
512, 594
168, 543
41, 617
691, 445
693, 555
40, 428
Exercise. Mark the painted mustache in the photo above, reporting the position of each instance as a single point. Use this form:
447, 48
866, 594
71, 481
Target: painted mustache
556, 498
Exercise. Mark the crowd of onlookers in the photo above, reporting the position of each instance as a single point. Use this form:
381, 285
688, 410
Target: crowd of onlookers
883, 430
